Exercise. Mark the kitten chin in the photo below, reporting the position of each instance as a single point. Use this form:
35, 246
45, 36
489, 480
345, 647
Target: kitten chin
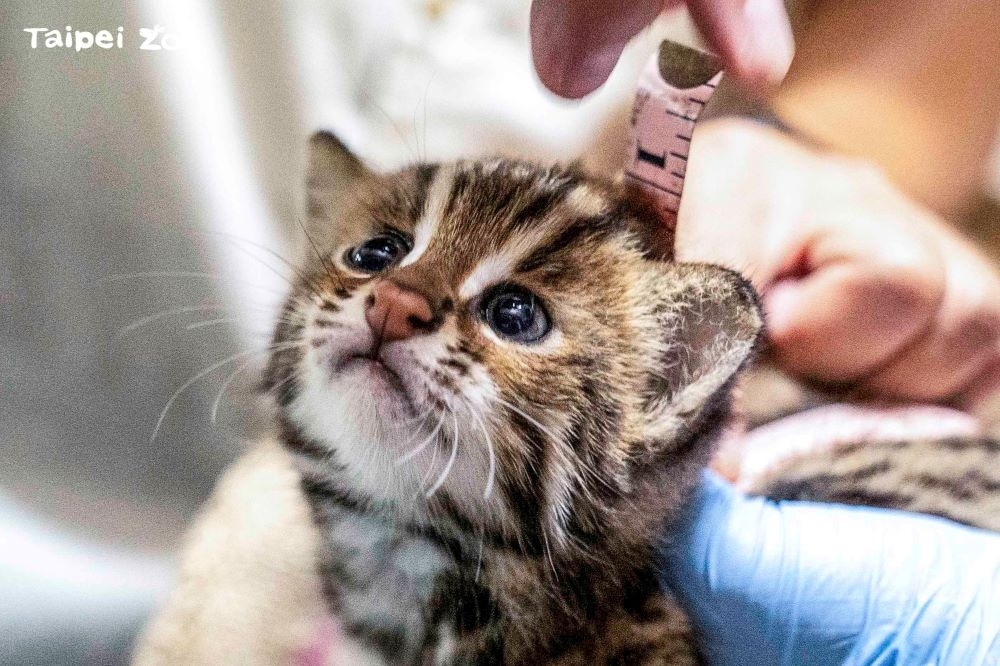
498, 392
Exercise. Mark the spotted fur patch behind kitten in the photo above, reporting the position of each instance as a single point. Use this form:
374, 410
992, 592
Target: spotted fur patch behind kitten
498, 394
956, 478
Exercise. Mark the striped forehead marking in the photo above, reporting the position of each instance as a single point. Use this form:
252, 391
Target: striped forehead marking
438, 193
500, 266
580, 201
540, 201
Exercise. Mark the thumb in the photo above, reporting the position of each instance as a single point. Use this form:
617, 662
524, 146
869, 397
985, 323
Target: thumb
850, 270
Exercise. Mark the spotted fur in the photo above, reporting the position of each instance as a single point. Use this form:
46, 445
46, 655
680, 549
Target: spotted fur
956, 478
483, 501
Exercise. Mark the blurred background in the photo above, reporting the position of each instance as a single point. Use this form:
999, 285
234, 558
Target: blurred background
142, 194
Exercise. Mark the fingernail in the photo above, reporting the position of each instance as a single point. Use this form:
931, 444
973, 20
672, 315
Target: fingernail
771, 45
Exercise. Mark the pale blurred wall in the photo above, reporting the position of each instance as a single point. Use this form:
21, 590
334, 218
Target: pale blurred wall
91, 184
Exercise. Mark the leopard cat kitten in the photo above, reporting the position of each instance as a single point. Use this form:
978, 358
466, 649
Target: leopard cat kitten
498, 394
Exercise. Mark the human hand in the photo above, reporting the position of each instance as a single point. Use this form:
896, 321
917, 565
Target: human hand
576, 43
804, 583
862, 287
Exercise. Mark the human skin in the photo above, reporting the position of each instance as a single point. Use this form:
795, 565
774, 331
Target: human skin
865, 284
576, 43
863, 288
911, 85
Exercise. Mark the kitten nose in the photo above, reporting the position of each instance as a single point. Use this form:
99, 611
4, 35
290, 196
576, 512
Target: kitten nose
395, 313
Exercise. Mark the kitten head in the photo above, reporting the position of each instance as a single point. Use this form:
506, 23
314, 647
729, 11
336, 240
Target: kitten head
499, 343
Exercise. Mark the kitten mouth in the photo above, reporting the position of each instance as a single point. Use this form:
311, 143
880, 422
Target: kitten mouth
379, 370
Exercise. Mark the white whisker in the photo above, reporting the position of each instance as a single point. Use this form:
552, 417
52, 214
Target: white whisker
120, 277
139, 323
225, 387
548, 553
236, 238
423, 445
212, 322
451, 460
530, 419
293, 375
332, 274
267, 265
206, 371
479, 560
491, 473
430, 467
417, 431
415, 419
195, 275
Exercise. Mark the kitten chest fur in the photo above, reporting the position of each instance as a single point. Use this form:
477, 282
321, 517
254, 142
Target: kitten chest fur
410, 595
381, 581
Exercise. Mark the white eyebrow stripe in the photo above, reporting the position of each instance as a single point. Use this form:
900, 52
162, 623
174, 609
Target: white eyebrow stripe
437, 198
499, 267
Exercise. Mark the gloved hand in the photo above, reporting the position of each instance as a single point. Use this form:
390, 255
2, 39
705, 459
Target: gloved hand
796, 583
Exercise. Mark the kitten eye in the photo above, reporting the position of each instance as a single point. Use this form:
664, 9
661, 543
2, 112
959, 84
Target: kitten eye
378, 253
515, 313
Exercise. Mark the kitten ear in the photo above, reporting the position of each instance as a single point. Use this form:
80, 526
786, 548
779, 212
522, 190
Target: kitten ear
706, 322
333, 169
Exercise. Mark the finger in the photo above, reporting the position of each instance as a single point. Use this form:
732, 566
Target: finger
963, 338
982, 395
576, 43
863, 297
753, 37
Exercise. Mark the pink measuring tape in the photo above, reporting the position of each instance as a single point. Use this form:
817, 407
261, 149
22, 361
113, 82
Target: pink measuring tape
673, 89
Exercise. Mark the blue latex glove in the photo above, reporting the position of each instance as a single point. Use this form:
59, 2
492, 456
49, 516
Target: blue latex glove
799, 583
